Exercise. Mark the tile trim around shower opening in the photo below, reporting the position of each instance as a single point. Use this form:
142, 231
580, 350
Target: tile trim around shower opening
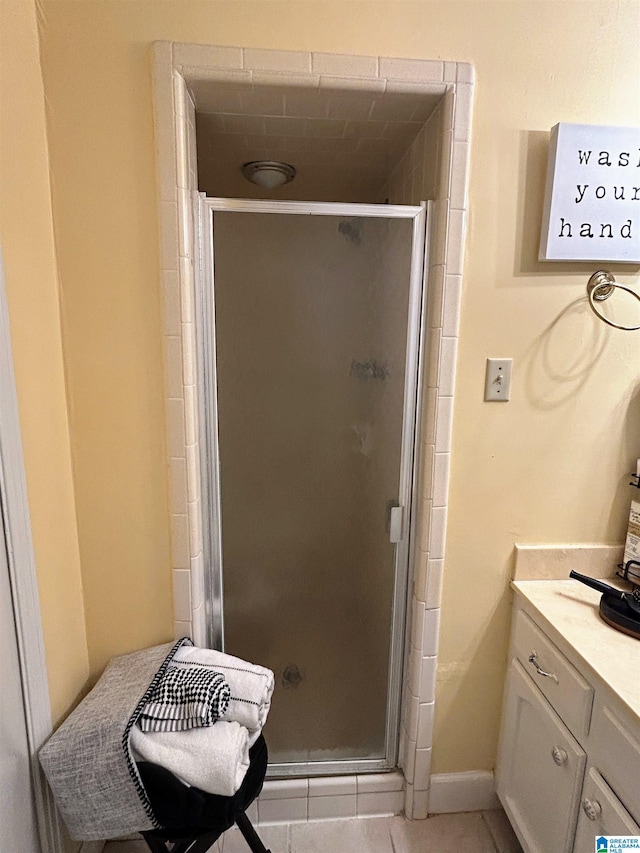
174, 114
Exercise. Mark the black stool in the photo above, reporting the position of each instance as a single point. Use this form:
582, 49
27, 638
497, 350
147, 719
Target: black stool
192, 819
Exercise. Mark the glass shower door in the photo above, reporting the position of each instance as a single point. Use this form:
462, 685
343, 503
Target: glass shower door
311, 378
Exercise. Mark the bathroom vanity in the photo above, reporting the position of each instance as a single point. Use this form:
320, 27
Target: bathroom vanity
569, 756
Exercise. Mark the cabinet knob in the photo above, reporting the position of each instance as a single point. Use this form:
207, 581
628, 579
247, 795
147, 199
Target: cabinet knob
591, 808
559, 755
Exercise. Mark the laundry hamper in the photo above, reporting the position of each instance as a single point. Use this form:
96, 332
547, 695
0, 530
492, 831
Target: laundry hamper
102, 792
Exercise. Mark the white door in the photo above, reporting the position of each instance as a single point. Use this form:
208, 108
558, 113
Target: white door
17, 812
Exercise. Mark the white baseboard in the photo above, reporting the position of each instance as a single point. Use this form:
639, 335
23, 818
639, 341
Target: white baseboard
92, 846
462, 792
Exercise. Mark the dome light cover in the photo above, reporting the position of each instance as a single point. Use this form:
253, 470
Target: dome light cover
268, 173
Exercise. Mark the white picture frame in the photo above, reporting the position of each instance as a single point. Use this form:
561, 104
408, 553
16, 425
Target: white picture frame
592, 199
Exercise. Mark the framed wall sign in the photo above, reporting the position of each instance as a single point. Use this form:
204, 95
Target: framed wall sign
592, 199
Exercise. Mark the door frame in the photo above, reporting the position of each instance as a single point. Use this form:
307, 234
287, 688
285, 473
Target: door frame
14, 515
209, 440
176, 68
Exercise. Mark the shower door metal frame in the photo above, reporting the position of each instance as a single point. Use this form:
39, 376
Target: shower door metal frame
210, 457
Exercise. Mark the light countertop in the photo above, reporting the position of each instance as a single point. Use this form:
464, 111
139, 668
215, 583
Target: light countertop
567, 611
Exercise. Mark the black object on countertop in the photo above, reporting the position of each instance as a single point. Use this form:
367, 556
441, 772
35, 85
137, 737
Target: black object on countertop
614, 612
630, 571
631, 599
619, 609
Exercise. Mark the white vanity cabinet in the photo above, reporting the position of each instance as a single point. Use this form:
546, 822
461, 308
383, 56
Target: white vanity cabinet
601, 813
569, 756
541, 768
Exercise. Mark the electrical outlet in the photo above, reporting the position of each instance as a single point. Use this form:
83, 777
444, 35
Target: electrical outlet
497, 382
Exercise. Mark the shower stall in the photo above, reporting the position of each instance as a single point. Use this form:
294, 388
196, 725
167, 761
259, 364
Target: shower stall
310, 320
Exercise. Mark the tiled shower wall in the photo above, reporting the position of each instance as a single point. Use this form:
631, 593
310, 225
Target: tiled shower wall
175, 121
435, 167
425, 172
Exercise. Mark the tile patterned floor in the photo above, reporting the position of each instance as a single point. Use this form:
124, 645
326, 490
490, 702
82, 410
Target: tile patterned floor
473, 832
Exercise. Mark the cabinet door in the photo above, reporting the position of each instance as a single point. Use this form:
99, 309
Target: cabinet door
540, 769
601, 813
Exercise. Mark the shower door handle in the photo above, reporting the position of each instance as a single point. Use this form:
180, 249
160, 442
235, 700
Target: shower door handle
396, 517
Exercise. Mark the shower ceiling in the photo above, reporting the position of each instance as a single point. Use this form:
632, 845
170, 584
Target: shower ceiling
343, 143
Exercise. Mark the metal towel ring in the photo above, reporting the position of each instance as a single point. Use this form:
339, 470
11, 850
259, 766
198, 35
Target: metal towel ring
600, 287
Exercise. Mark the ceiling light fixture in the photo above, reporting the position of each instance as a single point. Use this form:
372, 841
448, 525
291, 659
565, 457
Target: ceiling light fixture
268, 173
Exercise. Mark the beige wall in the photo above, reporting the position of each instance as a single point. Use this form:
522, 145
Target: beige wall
546, 467
26, 236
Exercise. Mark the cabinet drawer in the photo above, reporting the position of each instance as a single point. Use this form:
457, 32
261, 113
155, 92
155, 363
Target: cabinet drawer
601, 813
616, 753
567, 691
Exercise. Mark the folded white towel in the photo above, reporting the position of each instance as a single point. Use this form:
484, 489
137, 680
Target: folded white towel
251, 685
214, 758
